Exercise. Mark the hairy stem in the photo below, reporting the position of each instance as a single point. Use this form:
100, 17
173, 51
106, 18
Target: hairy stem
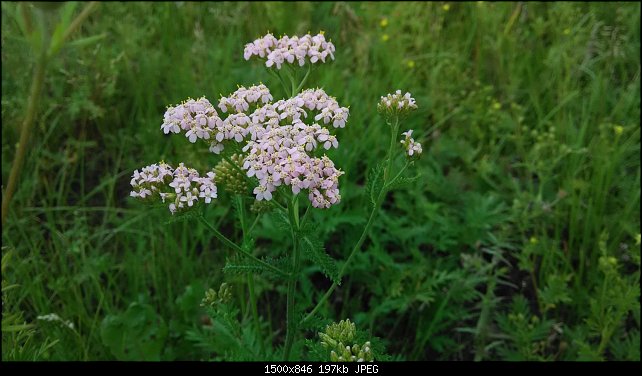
291, 323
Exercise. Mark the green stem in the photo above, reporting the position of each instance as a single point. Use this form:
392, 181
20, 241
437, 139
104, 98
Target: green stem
256, 220
305, 215
250, 278
25, 133
398, 175
235, 247
255, 312
278, 205
290, 321
357, 246
305, 78
393, 139
292, 85
366, 229
278, 75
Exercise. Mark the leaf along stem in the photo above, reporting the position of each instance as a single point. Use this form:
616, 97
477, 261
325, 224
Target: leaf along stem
235, 247
366, 229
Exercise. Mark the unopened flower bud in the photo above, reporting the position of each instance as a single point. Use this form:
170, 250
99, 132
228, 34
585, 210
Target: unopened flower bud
231, 177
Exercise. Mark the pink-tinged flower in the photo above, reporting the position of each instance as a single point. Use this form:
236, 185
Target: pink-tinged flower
290, 50
196, 117
396, 104
331, 142
181, 185
277, 141
340, 117
413, 148
262, 193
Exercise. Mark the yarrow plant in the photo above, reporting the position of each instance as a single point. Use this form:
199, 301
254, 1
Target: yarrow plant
273, 153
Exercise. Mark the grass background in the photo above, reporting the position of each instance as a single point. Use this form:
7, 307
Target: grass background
529, 184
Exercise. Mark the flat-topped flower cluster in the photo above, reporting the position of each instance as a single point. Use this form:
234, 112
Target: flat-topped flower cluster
278, 142
290, 50
181, 186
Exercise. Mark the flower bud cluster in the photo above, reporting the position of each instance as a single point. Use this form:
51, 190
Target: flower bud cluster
261, 207
182, 187
337, 335
230, 176
212, 297
290, 50
396, 104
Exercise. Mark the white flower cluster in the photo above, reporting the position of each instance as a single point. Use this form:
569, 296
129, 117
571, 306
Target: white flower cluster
52, 317
290, 49
182, 186
279, 157
277, 138
396, 103
242, 98
413, 149
200, 120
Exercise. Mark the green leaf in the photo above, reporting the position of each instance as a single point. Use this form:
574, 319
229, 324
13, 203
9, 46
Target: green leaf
82, 42
313, 248
16, 328
281, 221
243, 268
137, 334
249, 266
65, 19
374, 184
402, 182
556, 291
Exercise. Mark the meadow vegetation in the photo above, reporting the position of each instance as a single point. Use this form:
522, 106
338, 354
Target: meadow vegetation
520, 240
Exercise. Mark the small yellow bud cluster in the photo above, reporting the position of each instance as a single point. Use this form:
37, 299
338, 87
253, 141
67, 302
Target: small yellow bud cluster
212, 297
230, 177
260, 207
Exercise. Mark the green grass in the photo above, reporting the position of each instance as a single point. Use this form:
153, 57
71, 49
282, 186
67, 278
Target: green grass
529, 182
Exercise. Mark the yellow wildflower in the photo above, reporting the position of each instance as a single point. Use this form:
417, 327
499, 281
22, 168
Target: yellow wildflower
618, 129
